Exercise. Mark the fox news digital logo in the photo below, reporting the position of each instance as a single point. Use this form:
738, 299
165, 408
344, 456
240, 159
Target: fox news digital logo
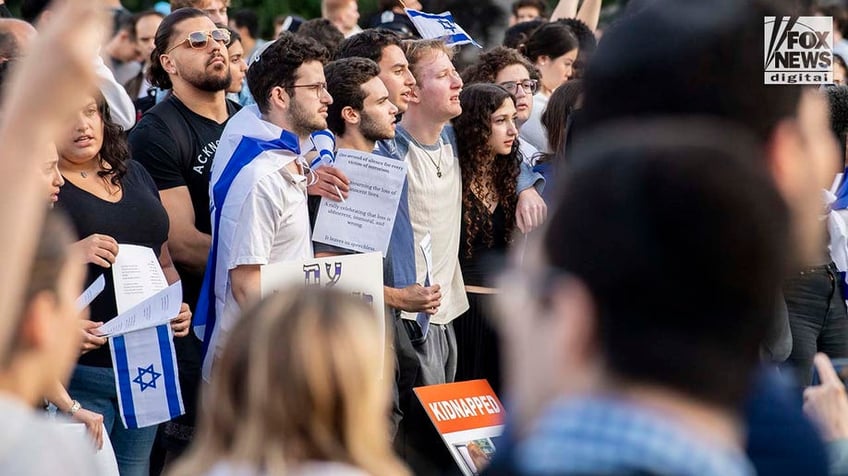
798, 50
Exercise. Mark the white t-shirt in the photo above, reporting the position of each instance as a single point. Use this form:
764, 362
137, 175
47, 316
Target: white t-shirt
273, 227
264, 217
32, 444
435, 207
533, 131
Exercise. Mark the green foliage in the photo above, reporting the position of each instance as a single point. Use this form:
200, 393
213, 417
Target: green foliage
268, 9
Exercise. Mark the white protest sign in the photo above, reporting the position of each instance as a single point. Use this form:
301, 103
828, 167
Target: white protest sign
358, 274
365, 220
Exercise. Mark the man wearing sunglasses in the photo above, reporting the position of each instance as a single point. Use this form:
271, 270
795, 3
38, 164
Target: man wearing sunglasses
259, 180
509, 69
176, 142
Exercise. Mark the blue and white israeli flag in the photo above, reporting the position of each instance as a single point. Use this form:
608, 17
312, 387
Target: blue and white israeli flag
145, 366
323, 142
440, 26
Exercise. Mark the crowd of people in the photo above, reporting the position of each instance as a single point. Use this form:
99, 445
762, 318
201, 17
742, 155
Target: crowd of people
635, 241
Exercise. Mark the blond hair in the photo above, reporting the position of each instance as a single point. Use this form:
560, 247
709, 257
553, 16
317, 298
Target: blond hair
417, 50
330, 7
298, 381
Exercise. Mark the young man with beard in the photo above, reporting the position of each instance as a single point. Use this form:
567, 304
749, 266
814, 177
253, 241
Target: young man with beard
362, 115
176, 141
259, 179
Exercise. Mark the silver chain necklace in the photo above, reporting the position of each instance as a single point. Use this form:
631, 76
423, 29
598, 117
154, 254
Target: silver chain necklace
437, 165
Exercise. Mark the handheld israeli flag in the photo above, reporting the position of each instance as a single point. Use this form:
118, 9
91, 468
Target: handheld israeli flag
145, 366
324, 142
440, 26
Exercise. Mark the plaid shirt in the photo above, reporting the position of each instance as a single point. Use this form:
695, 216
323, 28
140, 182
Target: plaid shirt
604, 436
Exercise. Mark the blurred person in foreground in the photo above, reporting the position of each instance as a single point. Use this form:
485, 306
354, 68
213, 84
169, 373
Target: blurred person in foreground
642, 70
298, 391
646, 377
39, 98
43, 352
827, 405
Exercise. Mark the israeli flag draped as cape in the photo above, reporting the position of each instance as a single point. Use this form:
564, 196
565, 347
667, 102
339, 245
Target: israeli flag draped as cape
440, 26
145, 366
250, 149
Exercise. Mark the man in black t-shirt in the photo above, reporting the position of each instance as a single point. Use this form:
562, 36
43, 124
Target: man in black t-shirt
176, 141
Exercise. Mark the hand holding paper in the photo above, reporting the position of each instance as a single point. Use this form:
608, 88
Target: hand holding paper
91, 336
158, 309
416, 298
331, 182
101, 250
181, 324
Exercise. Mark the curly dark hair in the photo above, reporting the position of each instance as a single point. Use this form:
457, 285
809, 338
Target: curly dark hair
277, 65
156, 74
491, 62
115, 151
473, 129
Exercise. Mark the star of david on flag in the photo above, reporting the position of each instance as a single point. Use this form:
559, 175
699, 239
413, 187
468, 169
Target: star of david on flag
440, 26
145, 366
140, 380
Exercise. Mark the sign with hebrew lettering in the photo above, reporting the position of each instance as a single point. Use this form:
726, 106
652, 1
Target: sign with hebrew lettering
359, 274
470, 419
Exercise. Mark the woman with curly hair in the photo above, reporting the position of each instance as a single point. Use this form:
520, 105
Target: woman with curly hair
110, 200
487, 138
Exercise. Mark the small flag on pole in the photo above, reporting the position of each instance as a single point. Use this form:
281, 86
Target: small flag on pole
146, 376
440, 26
323, 142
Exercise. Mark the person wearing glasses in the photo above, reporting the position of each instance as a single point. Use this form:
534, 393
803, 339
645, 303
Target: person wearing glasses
176, 141
508, 68
259, 181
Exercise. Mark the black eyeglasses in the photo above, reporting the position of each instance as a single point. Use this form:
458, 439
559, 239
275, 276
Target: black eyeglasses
317, 87
528, 85
199, 39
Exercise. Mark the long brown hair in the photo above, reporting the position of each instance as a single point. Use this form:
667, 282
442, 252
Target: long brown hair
298, 381
115, 151
473, 129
